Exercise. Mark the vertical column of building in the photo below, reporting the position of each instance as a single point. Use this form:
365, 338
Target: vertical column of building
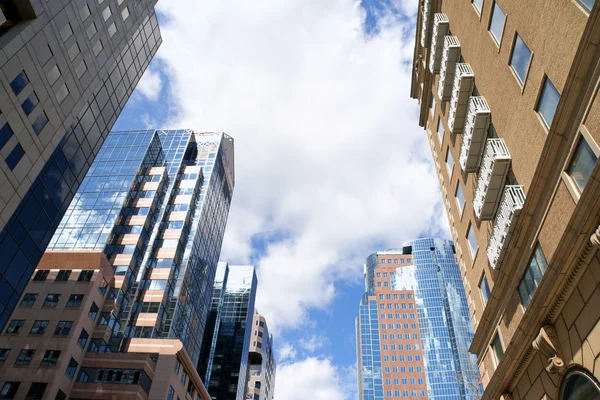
261, 363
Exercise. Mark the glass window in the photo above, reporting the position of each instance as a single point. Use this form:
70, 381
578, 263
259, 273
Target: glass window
50, 358
497, 348
19, 83
520, 57
112, 29
66, 32
478, 4
53, 74
125, 13
440, 130
9, 390
497, 23
29, 299
84, 13
39, 327
75, 300
63, 328
15, 326
533, 275
51, 300
91, 31
5, 134
63, 275
97, 48
449, 161
577, 385
83, 338
432, 104
15, 156
40, 275
93, 311
40, 122
74, 51
587, 4
36, 391
484, 289
472, 240
4, 355
72, 368
582, 164
85, 275
106, 13
80, 69
29, 103
62, 93
460, 198
548, 101
25, 357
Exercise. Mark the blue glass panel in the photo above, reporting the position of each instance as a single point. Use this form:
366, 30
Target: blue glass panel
548, 102
519, 60
19, 83
5, 134
497, 23
30, 102
15, 156
40, 122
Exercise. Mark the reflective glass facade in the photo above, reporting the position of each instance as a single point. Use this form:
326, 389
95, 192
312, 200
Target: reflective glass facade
368, 351
156, 203
225, 367
445, 325
63, 87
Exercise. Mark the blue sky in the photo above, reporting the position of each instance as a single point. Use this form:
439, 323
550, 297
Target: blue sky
330, 162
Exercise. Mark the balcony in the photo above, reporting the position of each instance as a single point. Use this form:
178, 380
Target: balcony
473, 139
512, 203
425, 23
450, 56
441, 27
461, 93
492, 175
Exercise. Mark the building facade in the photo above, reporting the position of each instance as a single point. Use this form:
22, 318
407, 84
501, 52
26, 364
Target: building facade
224, 363
261, 362
52, 348
413, 329
510, 108
67, 68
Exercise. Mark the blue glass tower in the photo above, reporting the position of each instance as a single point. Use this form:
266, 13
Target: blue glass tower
368, 350
445, 325
156, 203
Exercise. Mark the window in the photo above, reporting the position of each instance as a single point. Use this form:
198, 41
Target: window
449, 161
72, 368
25, 357
9, 390
183, 378
91, 31
106, 13
51, 300
19, 83
29, 103
40, 275
63, 328
53, 74
97, 48
29, 299
578, 385
36, 391
497, 348
39, 327
548, 101
533, 275
477, 4
63, 275
84, 13
83, 338
497, 21
484, 289
66, 32
125, 13
62, 93
440, 130
85, 275
40, 122
60, 395
582, 164
587, 4
171, 393
73, 51
15, 156
80, 69
5, 134
50, 358
519, 59
4, 355
112, 29
15, 326
75, 300
472, 240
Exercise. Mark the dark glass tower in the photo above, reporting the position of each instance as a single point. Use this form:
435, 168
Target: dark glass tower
156, 203
224, 361
68, 68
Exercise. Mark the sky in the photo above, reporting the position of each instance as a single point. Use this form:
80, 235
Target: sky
330, 162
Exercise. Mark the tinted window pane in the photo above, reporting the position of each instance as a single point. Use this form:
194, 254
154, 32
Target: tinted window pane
29, 104
485, 289
498, 349
460, 198
40, 122
53, 74
472, 241
548, 101
15, 156
520, 57
5, 134
588, 4
497, 23
582, 164
533, 276
19, 83
478, 4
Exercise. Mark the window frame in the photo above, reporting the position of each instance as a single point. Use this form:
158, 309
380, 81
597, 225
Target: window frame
462, 207
489, 294
493, 350
498, 44
449, 168
534, 256
522, 83
572, 186
472, 252
541, 92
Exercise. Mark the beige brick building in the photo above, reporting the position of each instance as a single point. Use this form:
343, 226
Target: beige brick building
508, 94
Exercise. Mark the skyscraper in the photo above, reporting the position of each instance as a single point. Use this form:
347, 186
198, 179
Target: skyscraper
224, 363
142, 236
67, 70
413, 329
261, 361
508, 98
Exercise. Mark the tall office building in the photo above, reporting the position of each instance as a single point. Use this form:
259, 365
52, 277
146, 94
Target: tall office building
129, 270
261, 362
413, 329
224, 362
67, 70
508, 97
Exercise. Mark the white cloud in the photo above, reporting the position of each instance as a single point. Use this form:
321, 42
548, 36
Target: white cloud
313, 342
150, 85
314, 379
286, 352
330, 161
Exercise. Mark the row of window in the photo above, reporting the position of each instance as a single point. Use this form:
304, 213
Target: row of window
405, 381
402, 358
395, 261
401, 346
63, 275
402, 369
63, 328
405, 393
391, 316
36, 391
396, 305
396, 297
392, 336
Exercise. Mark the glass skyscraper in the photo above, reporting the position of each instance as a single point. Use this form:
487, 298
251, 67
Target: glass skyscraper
224, 363
156, 203
68, 68
414, 323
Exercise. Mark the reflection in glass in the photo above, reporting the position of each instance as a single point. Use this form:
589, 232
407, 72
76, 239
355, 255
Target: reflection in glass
497, 23
519, 60
582, 164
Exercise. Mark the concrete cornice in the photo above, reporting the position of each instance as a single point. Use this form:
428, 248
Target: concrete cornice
569, 114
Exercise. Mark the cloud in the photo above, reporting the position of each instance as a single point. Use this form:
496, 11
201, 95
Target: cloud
150, 85
313, 342
316, 379
286, 352
330, 162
